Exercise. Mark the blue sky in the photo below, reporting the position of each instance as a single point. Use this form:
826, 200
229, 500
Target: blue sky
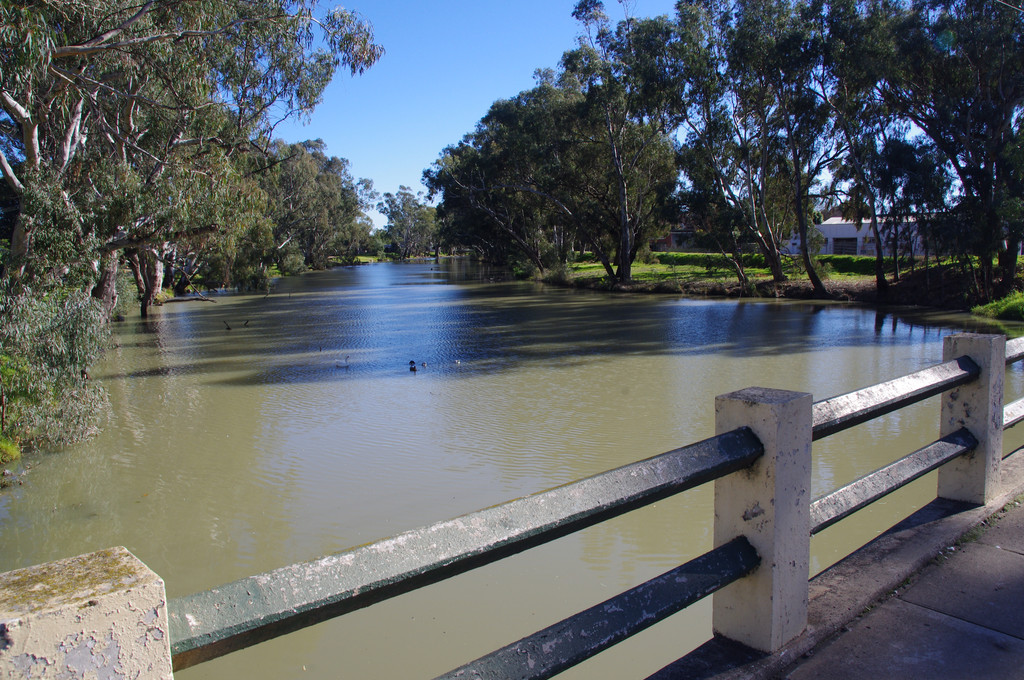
446, 62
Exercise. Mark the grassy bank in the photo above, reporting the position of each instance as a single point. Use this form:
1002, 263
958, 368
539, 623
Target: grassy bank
1010, 308
846, 277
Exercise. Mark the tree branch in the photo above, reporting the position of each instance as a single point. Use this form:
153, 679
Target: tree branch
91, 47
12, 179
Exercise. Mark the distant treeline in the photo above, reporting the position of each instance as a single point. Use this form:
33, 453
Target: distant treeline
746, 120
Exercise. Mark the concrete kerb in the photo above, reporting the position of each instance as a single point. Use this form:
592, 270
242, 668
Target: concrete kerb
847, 589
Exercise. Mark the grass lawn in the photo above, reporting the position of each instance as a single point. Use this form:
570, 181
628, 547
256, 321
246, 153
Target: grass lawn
691, 268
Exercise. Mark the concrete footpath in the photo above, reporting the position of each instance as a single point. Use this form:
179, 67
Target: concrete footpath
960, 617
940, 595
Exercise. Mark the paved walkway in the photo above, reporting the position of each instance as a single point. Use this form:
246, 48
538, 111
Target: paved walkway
961, 617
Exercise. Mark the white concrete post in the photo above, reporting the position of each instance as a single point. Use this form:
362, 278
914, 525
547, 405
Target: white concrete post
769, 503
978, 406
101, 615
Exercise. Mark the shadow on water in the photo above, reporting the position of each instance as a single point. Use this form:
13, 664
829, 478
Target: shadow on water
369, 321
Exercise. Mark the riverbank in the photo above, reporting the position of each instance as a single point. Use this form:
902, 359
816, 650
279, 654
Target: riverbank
935, 287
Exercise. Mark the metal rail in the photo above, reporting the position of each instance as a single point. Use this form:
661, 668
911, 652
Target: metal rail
836, 414
577, 638
843, 502
1014, 350
1013, 413
212, 623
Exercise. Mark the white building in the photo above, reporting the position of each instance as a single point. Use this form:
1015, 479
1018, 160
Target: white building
838, 236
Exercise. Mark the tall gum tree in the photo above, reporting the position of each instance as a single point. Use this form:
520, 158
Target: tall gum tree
499, 185
857, 53
959, 78
623, 72
779, 42
159, 94
733, 152
411, 222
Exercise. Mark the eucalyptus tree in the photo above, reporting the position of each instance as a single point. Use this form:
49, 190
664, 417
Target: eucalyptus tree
959, 78
314, 203
623, 148
120, 121
778, 44
733, 155
558, 165
913, 185
498, 186
411, 222
858, 52
483, 211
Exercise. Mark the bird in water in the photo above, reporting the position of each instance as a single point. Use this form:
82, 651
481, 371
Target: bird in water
412, 366
344, 365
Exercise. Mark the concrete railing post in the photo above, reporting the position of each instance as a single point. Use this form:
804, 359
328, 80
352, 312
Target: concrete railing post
101, 615
977, 406
769, 503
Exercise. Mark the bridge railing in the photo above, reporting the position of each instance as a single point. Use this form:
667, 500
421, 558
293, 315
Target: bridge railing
760, 462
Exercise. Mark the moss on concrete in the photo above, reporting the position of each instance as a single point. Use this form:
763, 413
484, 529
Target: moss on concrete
67, 581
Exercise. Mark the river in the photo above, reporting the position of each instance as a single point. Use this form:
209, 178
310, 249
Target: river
301, 431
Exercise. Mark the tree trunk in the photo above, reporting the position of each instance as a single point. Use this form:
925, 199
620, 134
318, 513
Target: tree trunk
606, 263
105, 289
816, 284
771, 257
737, 263
895, 252
881, 283
18, 255
801, 217
1008, 265
149, 276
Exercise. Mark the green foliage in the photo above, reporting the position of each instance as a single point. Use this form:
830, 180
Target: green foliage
9, 451
50, 339
525, 270
583, 158
560, 274
412, 224
127, 295
131, 128
314, 206
292, 263
853, 265
1009, 308
707, 260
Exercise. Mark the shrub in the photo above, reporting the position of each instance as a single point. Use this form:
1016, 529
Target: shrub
9, 451
49, 341
292, 263
859, 265
1010, 308
127, 295
560, 274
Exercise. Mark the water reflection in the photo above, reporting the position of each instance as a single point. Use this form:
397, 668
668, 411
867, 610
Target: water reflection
232, 452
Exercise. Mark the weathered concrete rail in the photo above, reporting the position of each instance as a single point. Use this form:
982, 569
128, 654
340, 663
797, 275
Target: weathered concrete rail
96, 615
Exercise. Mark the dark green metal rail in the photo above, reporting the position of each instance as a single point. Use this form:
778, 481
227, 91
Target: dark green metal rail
576, 639
836, 414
